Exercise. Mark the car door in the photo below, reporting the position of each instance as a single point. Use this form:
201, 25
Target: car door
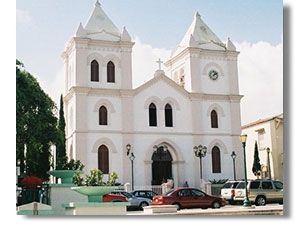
199, 199
184, 198
268, 190
278, 186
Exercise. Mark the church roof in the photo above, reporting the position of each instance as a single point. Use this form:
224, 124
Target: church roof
160, 76
99, 26
260, 121
201, 36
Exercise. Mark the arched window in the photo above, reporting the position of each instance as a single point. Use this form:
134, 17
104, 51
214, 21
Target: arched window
102, 115
216, 160
152, 115
214, 119
94, 71
103, 159
110, 72
168, 116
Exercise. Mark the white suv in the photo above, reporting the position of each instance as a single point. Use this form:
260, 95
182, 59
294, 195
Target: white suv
228, 191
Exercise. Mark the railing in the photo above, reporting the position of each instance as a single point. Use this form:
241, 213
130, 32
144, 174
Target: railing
156, 188
27, 193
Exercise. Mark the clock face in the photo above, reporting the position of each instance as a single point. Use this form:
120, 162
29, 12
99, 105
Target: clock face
213, 74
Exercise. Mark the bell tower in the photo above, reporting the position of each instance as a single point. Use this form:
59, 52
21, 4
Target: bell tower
202, 63
97, 61
99, 55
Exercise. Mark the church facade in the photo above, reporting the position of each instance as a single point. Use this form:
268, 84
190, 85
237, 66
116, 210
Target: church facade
198, 103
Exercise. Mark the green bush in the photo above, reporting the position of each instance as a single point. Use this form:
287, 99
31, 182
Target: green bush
95, 178
64, 164
220, 181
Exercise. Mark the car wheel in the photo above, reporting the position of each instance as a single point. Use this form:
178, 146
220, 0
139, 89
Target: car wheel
216, 205
143, 204
177, 205
260, 201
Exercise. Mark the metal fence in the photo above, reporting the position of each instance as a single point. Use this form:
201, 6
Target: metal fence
32, 193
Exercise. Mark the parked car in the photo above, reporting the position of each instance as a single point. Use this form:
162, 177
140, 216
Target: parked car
188, 198
144, 194
260, 192
114, 198
228, 191
135, 202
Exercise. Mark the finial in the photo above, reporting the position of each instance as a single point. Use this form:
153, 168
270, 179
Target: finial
159, 63
97, 3
197, 14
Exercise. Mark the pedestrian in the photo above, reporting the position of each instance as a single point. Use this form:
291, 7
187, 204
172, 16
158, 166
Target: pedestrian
186, 184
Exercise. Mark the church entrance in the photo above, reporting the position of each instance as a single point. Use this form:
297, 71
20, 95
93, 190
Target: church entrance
161, 166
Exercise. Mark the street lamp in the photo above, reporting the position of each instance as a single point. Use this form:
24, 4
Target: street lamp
200, 151
243, 138
131, 157
269, 165
233, 156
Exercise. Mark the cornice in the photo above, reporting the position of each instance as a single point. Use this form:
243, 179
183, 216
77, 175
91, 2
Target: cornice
194, 52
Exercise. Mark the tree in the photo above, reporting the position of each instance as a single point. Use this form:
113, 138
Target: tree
61, 135
256, 168
35, 124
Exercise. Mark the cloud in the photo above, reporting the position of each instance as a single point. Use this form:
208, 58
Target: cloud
260, 68
23, 17
144, 59
260, 76
55, 87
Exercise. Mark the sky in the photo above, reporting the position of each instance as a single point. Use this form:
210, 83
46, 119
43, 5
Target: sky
255, 27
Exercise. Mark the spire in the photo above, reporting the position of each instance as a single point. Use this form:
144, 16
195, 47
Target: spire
200, 35
229, 45
97, 4
80, 31
125, 35
192, 42
100, 22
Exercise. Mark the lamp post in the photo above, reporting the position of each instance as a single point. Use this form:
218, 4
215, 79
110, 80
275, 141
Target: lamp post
233, 156
200, 151
269, 165
243, 139
131, 157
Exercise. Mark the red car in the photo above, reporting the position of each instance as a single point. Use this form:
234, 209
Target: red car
114, 198
188, 198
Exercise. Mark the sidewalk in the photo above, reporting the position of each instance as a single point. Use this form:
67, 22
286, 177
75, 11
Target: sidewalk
227, 210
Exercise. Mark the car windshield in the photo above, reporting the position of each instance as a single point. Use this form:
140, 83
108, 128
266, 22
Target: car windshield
170, 192
128, 195
227, 185
241, 185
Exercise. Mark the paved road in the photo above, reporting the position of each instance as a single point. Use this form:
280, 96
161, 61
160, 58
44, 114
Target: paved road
269, 209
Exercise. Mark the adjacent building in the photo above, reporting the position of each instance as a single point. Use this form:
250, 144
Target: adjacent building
268, 133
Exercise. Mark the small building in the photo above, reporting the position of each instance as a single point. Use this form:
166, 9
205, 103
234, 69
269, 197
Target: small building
268, 133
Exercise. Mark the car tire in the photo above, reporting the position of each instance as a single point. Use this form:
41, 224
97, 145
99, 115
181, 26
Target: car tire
216, 205
177, 205
143, 204
260, 201
231, 202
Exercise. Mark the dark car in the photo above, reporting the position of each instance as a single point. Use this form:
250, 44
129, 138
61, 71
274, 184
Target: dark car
188, 198
144, 194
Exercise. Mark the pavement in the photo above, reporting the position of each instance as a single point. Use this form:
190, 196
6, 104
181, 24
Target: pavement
269, 209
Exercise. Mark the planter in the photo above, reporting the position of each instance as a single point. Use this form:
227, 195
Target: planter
94, 193
66, 176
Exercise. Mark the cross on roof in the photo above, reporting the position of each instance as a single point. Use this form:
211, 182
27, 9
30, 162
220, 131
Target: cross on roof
159, 63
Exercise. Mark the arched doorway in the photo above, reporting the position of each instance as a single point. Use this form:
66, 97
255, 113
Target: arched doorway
161, 166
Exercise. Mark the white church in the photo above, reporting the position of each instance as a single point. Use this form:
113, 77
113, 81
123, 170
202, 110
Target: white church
198, 103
